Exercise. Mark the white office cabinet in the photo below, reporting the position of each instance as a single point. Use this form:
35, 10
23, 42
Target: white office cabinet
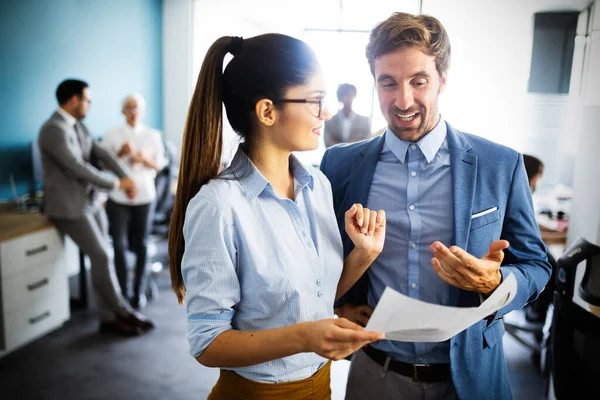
19, 255
34, 291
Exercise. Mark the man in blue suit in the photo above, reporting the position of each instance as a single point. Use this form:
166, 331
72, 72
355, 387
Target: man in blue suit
460, 219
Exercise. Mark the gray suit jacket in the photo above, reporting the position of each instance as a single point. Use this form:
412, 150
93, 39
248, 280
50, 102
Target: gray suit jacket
67, 172
359, 130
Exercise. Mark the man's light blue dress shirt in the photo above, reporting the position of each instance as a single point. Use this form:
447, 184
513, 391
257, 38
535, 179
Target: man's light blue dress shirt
413, 184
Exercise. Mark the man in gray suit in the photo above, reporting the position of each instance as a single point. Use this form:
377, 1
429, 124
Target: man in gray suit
346, 126
70, 183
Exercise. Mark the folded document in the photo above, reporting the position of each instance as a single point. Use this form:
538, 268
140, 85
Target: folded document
409, 320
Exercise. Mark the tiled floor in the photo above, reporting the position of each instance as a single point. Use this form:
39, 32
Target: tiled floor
75, 362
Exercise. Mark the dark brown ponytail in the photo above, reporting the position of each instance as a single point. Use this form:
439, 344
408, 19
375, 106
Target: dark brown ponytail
264, 67
200, 151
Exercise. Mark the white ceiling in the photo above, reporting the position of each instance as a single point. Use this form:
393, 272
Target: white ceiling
293, 15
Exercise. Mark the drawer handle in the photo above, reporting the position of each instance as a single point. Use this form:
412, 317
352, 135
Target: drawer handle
38, 285
37, 250
40, 317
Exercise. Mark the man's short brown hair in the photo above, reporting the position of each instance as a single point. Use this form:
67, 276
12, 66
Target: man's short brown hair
401, 30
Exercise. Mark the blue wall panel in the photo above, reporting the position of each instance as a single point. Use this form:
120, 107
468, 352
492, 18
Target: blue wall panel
114, 45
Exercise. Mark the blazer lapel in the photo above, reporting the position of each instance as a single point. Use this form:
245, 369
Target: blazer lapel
85, 139
78, 144
464, 172
361, 175
363, 171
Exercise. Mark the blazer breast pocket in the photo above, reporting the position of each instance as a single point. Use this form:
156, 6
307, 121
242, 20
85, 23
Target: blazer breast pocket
485, 217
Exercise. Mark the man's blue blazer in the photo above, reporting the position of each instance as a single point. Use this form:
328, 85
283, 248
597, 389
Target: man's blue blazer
484, 175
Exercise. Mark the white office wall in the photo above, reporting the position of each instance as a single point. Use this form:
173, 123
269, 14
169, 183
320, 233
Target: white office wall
214, 18
487, 94
177, 66
585, 212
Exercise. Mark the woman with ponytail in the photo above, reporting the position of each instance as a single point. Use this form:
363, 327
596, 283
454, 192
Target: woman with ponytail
255, 249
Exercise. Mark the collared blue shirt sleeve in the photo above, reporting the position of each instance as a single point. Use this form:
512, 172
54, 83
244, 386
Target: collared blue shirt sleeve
255, 260
209, 274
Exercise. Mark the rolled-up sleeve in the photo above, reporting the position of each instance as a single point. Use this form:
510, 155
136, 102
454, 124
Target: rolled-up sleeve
209, 271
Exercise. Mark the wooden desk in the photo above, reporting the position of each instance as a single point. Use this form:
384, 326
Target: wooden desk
554, 234
14, 224
17, 223
553, 237
556, 241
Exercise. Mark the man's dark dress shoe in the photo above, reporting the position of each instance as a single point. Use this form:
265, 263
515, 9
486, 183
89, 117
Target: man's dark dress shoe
138, 302
119, 327
139, 320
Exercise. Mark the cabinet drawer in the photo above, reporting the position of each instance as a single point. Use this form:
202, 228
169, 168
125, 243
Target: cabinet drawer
36, 283
25, 324
19, 254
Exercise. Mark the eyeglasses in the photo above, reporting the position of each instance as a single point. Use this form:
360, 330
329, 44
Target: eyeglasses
85, 99
320, 102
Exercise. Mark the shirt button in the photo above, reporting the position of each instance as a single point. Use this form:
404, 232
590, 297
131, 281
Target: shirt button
413, 147
413, 285
319, 282
319, 294
413, 173
413, 245
411, 208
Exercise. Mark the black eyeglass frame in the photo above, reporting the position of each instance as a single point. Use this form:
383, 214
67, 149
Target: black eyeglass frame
320, 102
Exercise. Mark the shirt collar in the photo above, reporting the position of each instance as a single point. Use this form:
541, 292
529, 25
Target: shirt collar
301, 173
254, 182
429, 144
71, 120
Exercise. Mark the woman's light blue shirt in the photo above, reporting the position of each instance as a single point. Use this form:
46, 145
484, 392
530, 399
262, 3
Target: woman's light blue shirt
254, 261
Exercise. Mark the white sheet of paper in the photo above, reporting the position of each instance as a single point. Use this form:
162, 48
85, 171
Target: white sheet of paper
408, 320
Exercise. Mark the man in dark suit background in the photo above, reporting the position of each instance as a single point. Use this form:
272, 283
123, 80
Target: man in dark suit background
70, 184
346, 126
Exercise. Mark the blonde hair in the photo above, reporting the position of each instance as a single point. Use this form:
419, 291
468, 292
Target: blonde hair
402, 30
138, 98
